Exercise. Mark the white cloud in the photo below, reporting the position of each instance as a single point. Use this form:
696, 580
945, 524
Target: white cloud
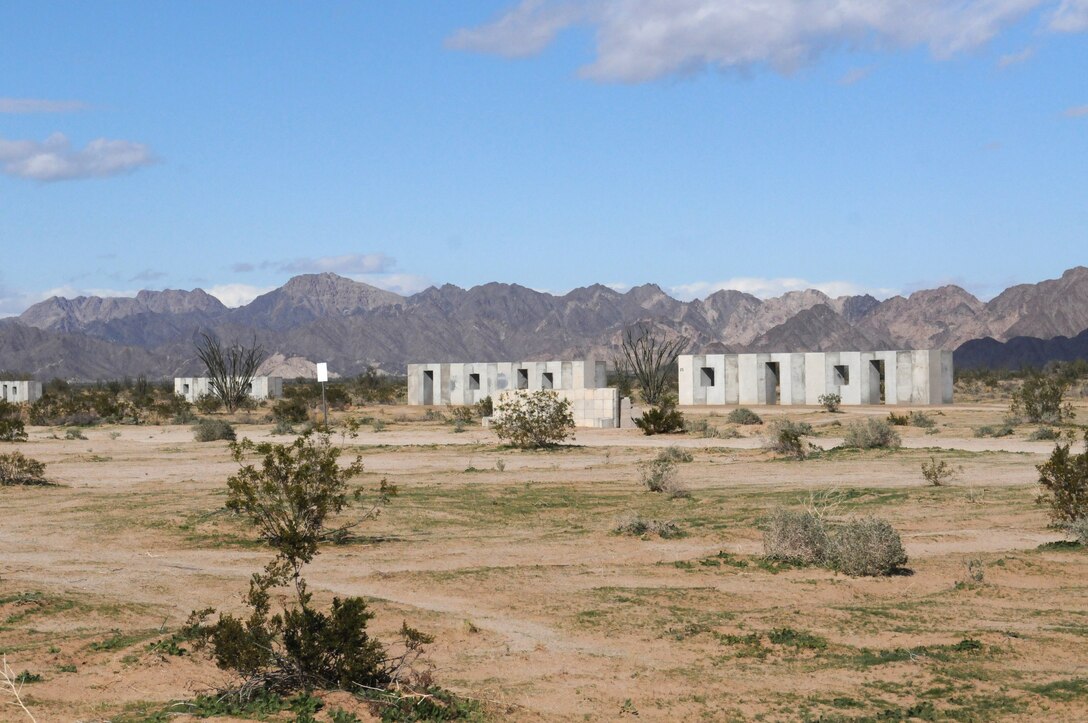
1078, 111
54, 159
766, 288
37, 105
1070, 17
855, 75
403, 284
234, 295
619, 286
641, 40
1007, 61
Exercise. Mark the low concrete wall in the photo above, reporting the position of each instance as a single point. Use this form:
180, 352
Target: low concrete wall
193, 388
593, 408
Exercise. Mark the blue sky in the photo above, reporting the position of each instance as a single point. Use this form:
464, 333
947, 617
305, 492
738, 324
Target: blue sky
848, 145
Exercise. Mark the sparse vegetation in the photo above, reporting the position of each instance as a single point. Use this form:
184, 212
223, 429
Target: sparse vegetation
796, 536
939, 472
533, 420
659, 475
1044, 434
230, 368
871, 434
830, 402
868, 547
638, 526
651, 358
213, 430
787, 438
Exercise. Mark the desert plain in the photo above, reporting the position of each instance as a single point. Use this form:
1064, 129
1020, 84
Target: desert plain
539, 609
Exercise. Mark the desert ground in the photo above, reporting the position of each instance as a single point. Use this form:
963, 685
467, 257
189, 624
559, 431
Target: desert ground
539, 610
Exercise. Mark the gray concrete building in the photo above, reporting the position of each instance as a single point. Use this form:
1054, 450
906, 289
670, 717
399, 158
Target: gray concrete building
906, 377
583, 382
18, 392
193, 388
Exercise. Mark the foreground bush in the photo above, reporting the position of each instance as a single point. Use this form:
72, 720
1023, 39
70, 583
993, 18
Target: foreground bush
830, 402
11, 423
867, 546
743, 415
1064, 479
664, 419
536, 419
871, 434
289, 498
212, 430
798, 537
788, 438
1039, 399
858, 547
659, 474
17, 469
292, 410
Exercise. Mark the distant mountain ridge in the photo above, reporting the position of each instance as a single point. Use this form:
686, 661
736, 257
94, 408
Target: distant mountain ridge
352, 325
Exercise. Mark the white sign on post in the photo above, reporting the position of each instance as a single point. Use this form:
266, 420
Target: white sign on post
322, 372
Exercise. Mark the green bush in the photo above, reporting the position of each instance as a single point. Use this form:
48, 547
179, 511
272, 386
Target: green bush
208, 403
797, 537
830, 402
994, 430
1044, 434
676, 454
485, 407
18, 469
292, 410
211, 430
1039, 399
922, 420
787, 437
743, 415
11, 423
664, 419
867, 546
871, 434
898, 420
74, 433
1064, 479
533, 420
463, 415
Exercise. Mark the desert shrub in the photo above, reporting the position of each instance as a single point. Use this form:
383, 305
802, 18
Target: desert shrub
1064, 480
938, 472
743, 415
533, 420
798, 537
1039, 399
208, 403
659, 475
663, 419
922, 420
11, 423
787, 437
1044, 433
994, 430
830, 402
283, 427
485, 407
898, 420
212, 430
292, 410
638, 526
18, 469
289, 498
74, 433
463, 415
1079, 529
676, 454
701, 428
867, 546
871, 434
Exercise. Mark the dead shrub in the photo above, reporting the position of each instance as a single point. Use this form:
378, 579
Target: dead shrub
871, 434
867, 546
638, 526
798, 537
18, 469
659, 475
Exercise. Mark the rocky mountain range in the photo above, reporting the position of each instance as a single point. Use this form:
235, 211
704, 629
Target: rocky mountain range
351, 325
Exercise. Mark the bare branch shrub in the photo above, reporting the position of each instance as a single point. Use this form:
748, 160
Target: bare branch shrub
230, 369
650, 356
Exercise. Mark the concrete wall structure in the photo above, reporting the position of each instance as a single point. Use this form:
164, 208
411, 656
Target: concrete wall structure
18, 392
583, 382
193, 388
879, 377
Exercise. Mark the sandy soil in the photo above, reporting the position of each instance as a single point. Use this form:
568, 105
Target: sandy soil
538, 608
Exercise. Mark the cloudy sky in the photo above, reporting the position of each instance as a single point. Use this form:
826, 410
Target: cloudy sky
766, 145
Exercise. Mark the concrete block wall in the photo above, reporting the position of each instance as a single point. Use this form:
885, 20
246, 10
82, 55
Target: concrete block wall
880, 377
23, 391
595, 408
466, 383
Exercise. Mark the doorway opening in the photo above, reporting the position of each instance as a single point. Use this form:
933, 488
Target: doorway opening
772, 386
